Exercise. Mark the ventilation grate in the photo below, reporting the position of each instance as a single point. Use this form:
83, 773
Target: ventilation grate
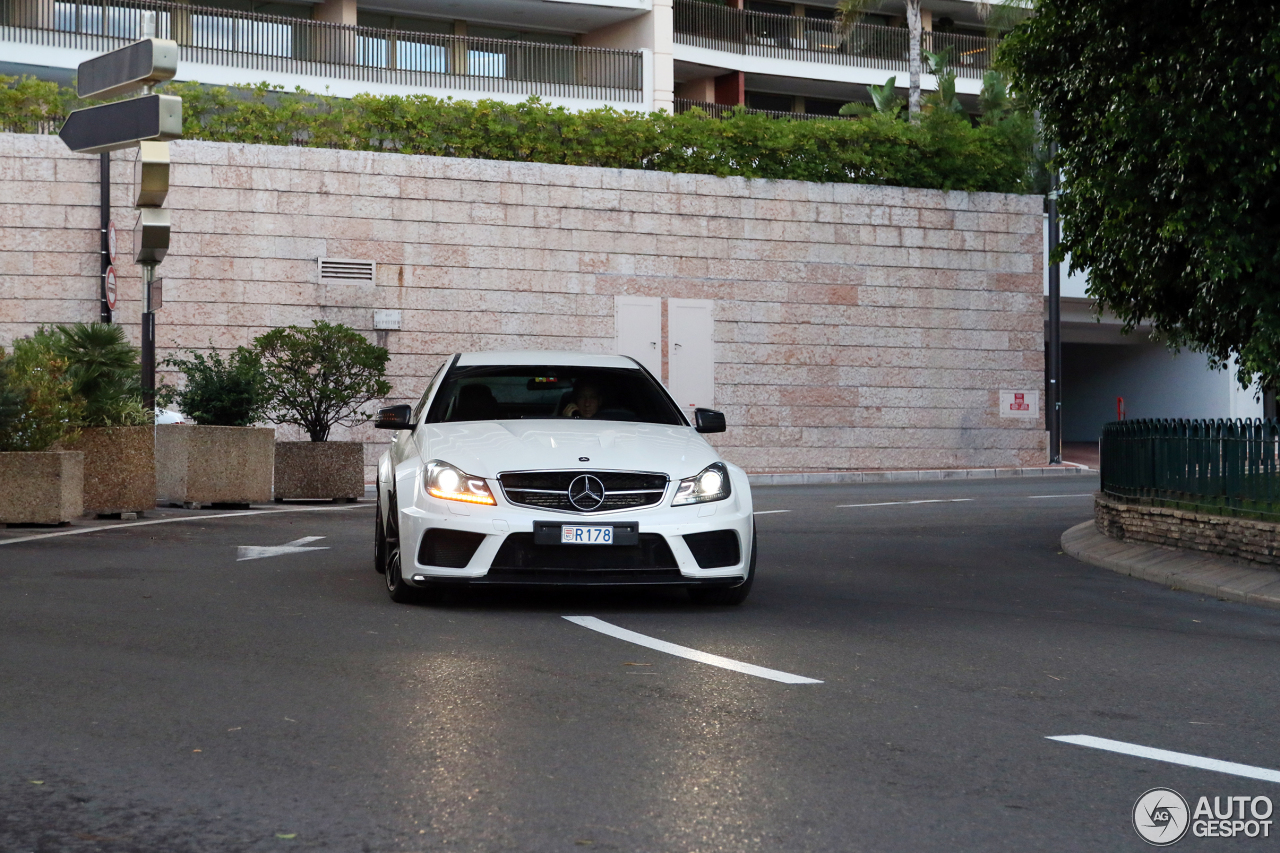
346, 271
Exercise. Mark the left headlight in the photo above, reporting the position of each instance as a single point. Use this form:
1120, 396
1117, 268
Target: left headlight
451, 484
710, 484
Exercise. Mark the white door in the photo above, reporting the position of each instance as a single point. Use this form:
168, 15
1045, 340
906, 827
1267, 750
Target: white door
638, 320
691, 353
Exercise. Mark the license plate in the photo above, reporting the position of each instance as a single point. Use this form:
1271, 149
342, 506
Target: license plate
586, 534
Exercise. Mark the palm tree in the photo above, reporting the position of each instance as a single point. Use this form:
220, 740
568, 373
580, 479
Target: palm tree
849, 12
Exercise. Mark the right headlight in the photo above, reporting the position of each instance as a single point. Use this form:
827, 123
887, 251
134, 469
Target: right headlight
448, 483
710, 484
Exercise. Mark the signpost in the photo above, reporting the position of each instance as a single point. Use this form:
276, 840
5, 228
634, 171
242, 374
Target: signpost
111, 287
148, 123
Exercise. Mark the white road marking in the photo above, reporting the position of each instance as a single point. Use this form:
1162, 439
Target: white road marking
1172, 757
690, 654
770, 511
901, 503
1042, 497
79, 530
257, 552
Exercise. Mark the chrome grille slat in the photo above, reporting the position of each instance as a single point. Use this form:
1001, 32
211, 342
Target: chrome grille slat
549, 490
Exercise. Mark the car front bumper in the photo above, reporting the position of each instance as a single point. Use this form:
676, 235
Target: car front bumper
514, 526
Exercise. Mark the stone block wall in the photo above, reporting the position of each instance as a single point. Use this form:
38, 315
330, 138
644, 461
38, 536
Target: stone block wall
1242, 538
856, 327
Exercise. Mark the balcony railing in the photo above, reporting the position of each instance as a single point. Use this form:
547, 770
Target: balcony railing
683, 105
709, 25
299, 46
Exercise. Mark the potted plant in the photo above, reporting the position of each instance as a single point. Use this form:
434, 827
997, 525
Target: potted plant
317, 378
38, 408
221, 460
116, 432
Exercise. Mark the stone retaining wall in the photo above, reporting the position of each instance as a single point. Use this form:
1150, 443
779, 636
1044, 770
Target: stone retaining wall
1242, 538
855, 327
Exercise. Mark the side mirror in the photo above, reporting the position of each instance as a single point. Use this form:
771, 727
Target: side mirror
708, 420
394, 417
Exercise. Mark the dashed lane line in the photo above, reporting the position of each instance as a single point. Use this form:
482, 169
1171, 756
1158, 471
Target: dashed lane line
903, 503
689, 654
1043, 497
1165, 755
78, 530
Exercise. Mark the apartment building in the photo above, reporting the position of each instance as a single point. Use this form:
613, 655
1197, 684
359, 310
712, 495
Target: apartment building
627, 54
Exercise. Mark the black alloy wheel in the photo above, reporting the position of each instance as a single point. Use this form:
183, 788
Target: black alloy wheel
400, 592
729, 595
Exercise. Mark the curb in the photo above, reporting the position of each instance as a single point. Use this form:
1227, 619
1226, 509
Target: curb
1194, 571
829, 477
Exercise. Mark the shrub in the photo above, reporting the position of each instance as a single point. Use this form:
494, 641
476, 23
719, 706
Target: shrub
218, 391
38, 405
321, 376
104, 372
948, 154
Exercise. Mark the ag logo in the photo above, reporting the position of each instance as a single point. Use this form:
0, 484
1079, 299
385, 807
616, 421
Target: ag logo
1160, 816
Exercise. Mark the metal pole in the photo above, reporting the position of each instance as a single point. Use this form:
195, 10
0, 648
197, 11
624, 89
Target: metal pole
1053, 396
104, 219
148, 338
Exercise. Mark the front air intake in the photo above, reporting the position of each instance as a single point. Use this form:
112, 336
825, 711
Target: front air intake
714, 550
449, 549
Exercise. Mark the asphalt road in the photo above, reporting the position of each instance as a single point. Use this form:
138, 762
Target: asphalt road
158, 695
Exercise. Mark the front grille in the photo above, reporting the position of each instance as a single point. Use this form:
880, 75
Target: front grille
714, 549
519, 551
450, 549
550, 489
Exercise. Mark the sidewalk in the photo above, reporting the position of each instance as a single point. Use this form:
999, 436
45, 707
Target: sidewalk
1194, 571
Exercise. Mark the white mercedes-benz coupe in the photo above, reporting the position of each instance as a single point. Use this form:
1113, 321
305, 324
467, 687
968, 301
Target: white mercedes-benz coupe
558, 468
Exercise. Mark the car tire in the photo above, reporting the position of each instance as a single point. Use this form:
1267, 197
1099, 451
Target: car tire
397, 588
732, 595
379, 540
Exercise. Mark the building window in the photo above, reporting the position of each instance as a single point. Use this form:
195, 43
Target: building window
771, 103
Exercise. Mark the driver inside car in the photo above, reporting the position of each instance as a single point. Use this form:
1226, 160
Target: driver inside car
585, 402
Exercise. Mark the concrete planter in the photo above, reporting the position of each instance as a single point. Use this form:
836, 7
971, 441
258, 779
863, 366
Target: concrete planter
119, 468
319, 470
41, 488
214, 464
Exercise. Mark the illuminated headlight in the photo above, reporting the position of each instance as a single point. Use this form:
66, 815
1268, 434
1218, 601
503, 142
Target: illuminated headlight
450, 484
711, 484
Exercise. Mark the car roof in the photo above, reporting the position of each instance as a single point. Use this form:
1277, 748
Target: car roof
541, 357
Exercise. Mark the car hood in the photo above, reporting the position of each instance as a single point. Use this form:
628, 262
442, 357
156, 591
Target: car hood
487, 448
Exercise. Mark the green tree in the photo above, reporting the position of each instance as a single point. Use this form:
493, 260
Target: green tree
849, 12
321, 376
38, 405
218, 391
884, 100
104, 372
1167, 117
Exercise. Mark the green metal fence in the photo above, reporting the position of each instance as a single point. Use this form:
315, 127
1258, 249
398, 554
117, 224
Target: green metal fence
1228, 467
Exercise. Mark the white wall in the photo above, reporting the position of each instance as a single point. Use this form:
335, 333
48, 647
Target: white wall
1154, 383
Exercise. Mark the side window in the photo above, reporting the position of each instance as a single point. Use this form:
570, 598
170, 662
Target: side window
426, 395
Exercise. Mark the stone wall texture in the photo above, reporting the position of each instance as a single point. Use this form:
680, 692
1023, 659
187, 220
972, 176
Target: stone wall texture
1242, 538
856, 327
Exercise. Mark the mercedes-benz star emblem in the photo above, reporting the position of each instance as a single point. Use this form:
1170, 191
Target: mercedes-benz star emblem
586, 492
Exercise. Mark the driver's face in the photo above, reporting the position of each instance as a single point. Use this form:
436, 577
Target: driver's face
588, 402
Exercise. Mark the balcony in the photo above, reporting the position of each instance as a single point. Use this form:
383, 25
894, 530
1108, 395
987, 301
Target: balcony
715, 27
298, 46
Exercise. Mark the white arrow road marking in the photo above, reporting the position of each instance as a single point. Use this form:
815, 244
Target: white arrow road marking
901, 503
257, 552
1172, 757
691, 654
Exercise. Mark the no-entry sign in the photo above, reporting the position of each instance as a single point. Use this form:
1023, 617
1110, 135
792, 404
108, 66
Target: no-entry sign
110, 287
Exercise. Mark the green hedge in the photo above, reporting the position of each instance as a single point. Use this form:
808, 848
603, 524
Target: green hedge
943, 151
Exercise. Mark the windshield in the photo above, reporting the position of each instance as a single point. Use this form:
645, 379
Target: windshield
522, 392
